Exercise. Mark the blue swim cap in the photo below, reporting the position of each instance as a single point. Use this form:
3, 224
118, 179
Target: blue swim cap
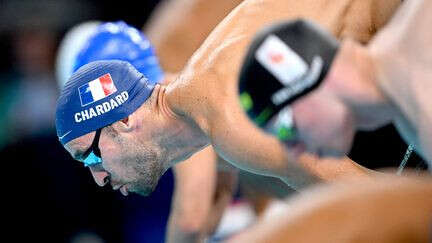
93, 41
97, 95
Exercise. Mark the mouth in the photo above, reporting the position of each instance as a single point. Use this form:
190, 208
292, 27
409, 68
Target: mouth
123, 189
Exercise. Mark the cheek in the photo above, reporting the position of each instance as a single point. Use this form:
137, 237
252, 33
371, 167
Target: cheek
112, 160
122, 162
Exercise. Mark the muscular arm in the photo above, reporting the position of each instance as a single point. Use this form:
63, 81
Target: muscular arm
194, 188
201, 193
213, 70
200, 197
255, 151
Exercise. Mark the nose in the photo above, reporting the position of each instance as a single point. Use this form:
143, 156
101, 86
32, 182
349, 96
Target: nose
100, 176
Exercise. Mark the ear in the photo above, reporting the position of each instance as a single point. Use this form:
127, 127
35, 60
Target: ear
125, 125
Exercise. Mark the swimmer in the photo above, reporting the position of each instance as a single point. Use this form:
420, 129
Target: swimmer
142, 135
94, 40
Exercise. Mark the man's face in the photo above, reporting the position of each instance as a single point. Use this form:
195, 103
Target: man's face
324, 126
127, 165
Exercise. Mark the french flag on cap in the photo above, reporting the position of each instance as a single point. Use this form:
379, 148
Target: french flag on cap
96, 90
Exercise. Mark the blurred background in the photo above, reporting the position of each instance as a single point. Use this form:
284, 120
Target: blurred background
47, 196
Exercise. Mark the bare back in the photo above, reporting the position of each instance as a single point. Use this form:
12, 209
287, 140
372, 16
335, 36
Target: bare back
206, 90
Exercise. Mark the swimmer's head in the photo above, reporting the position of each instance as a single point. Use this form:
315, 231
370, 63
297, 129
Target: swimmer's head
94, 40
105, 100
105, 118
283, 70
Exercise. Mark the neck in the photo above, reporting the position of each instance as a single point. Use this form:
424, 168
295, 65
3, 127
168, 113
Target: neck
352, 79
181, 137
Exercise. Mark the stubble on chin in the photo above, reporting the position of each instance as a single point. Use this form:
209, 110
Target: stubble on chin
149, 170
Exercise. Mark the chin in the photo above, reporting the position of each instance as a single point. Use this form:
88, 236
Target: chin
144, 190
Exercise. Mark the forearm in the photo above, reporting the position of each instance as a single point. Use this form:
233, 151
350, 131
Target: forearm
184, 224
195, 182
225, 188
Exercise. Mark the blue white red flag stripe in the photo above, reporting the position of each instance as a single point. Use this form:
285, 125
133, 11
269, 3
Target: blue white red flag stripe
96, 89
